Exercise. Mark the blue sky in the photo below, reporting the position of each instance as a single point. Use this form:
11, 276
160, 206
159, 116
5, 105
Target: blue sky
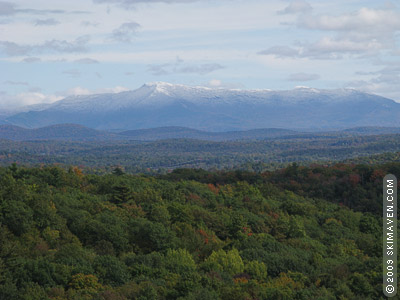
53, 49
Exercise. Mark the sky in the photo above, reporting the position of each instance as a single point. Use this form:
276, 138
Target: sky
53, 49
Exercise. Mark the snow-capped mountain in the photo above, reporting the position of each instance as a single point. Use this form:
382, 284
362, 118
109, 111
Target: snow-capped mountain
163, 104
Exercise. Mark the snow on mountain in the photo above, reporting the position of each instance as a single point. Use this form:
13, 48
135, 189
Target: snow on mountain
164, 104
162, 93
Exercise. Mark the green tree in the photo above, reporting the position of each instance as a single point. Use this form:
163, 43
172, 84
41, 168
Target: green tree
229, 262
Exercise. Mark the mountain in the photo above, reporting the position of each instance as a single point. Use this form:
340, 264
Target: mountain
74, 132
201, 108
66, 132
372, 130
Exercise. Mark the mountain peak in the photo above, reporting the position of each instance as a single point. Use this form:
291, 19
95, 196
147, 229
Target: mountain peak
157, 85
159, 104
166, 86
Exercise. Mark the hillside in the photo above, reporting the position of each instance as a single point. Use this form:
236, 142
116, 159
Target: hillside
66, 132
191, 234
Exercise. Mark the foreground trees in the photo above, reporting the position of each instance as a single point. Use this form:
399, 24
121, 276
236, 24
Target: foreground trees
288, 234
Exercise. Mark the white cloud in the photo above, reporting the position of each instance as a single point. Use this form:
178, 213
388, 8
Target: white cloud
219, 16
10, 102
297, 6
365, 20
366, 32
179, 66
152, 56
328, 47
60, 46
10, 9
364, 29
129, 3
125, 33
215, 83
383, 82
86, 60
76, 91
281, 51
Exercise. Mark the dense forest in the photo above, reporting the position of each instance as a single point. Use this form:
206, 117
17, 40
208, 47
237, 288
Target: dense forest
161, 156
301, 232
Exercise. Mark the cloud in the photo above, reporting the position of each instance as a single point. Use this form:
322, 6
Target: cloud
76, 91
88, 24
23, 83
326, 48
383, 82
10, 102
303, 77
280, 51
219, 84
125, 33
30, 60
74, 73
297, 6
7, 8
86, 60
158, 69
60, 46
11, 48
375, 20
46, 22
215, 83
10, 9
361, 31
365, 32
180, 67
129, 3
78, 45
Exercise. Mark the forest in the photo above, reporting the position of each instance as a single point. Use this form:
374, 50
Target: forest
161, 156
299, 232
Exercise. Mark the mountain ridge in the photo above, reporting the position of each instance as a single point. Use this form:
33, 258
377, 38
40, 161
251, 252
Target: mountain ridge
74, 132
67, 132
207, 109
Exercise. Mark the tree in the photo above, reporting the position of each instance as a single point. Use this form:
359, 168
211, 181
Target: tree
229, 262
121, 194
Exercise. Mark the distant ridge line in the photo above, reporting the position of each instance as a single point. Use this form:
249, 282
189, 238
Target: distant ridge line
76, 132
